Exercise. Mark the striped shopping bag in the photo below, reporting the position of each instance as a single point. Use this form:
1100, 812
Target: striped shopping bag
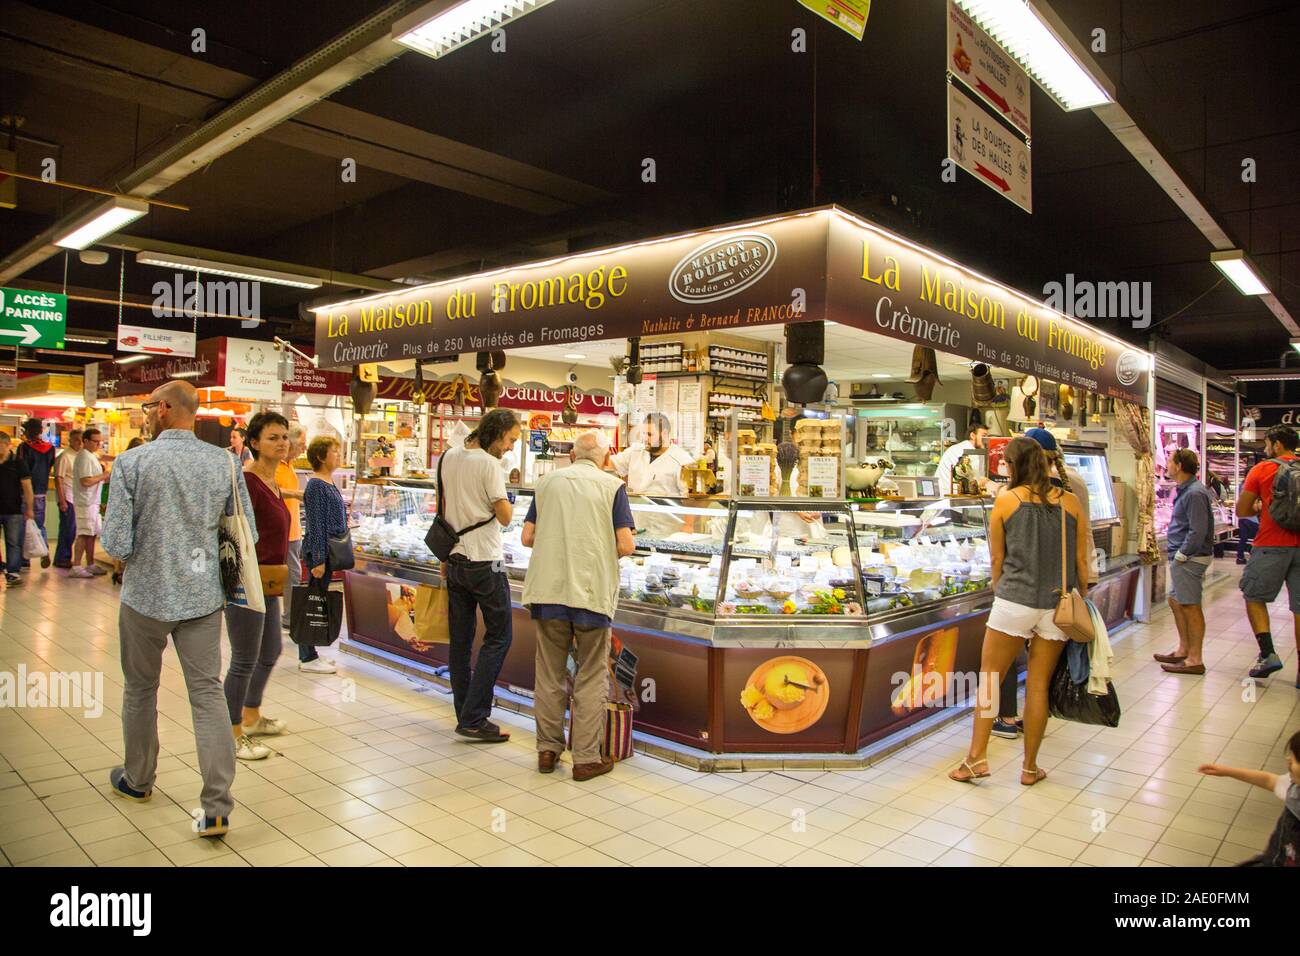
616, 742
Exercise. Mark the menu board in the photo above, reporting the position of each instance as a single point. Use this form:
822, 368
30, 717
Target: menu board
690, 420
666, 403
755, 475
646, 401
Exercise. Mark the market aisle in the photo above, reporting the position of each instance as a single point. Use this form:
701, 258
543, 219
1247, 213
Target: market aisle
373, 775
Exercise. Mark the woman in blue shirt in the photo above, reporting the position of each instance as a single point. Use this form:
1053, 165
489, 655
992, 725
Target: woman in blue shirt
325, 516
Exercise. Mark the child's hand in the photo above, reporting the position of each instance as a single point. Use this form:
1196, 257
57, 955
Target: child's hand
1211, 770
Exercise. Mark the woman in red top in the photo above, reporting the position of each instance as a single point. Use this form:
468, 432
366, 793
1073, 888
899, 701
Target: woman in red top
255, 636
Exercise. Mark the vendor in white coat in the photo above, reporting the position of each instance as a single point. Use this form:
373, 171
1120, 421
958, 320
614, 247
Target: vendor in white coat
653, 466
976, 439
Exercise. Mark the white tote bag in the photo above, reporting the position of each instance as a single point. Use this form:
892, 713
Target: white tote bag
34, 544
237, 555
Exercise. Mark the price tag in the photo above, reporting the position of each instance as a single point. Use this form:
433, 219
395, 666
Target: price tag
823, 474
873, 587
755, 475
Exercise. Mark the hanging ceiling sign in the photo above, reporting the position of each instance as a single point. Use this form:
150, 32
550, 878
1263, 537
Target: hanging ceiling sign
137, 338
987, 69
988, 150
35, 319
252, 370
849, 15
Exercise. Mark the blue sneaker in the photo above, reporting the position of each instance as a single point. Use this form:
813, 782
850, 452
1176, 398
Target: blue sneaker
1008, 729
117, 778
1265, 665
214, 826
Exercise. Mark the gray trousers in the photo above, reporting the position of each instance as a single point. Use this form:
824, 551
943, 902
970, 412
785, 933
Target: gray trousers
590, 688
294, 560
255, 641
198, 645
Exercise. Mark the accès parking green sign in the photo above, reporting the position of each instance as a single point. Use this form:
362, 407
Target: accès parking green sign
37, 319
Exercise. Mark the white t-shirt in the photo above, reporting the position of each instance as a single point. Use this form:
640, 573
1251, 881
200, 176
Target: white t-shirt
85, 465
509, 461
63, 471
657, 476
472, 483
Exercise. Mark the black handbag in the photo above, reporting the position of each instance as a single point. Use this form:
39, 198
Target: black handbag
1070, 701
442, 538
315, 613
339, 555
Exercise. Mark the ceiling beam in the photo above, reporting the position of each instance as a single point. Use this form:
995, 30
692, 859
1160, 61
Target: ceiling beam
1121, 117
105, 63
365, 47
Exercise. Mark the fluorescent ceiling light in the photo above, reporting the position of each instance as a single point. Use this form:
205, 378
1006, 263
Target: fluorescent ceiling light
1032, 43
1232, 263
880, 375
85, 339
128, 359
212, 267
102, 220
574, 355
438, 28
47, 400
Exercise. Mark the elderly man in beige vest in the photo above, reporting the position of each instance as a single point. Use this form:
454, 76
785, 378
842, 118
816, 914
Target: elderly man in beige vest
579, 525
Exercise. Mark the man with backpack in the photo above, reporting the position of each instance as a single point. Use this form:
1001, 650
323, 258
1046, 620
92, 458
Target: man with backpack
1272, 493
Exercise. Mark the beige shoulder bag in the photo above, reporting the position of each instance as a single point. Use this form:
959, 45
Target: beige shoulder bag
1072, 615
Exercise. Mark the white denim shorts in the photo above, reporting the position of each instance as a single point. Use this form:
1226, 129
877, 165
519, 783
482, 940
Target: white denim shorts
1020, 621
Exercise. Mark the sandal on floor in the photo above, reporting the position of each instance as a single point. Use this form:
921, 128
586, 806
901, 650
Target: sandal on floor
1038, 773
970, 769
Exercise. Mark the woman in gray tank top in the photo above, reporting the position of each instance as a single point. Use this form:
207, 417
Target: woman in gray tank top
1025, 546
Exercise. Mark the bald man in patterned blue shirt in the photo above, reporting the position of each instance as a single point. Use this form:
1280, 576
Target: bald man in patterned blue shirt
165, 504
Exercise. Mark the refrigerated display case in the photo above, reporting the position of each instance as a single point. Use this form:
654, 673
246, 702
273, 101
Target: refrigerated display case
911, 435
859, 608
1089, 460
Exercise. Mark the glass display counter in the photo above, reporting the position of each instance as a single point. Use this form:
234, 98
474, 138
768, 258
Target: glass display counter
756, 625
725, 562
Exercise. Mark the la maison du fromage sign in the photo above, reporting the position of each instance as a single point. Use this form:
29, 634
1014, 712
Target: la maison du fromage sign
817, 264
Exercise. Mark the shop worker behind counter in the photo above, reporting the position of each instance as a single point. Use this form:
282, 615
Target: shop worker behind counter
976, 438
474, 492
579, 525
165, 504
1275, 555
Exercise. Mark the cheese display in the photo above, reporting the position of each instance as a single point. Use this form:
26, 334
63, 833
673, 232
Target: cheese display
846, 561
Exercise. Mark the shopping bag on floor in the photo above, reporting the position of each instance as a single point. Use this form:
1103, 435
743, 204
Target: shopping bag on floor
315, 614
34, 543
616, 739
1070, 701
431, 615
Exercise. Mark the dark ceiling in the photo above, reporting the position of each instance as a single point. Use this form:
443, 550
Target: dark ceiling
540, 148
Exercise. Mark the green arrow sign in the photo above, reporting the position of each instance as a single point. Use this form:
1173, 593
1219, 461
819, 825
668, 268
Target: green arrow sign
37, 319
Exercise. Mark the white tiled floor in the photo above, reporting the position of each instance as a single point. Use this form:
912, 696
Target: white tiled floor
381, 779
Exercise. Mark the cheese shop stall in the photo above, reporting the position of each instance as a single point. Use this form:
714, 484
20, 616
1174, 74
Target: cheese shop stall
790, 620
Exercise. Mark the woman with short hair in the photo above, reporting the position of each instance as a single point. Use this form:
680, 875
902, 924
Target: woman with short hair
326, 516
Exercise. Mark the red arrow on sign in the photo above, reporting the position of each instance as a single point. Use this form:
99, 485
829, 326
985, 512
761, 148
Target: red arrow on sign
154, 348
993, 178
993, 97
